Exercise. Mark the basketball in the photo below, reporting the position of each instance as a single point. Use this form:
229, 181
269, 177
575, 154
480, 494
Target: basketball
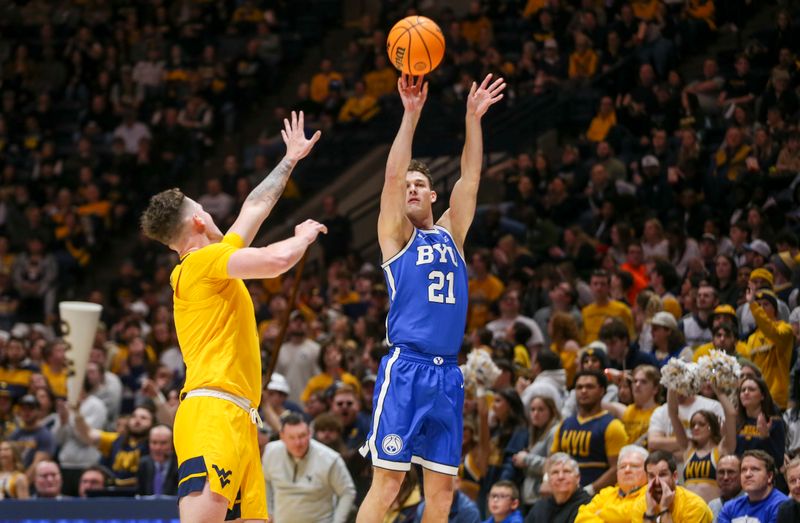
415, 45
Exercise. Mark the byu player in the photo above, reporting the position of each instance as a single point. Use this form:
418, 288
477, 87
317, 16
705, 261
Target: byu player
419, 396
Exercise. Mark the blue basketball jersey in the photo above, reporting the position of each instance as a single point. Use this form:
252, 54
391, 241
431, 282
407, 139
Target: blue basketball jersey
427, 282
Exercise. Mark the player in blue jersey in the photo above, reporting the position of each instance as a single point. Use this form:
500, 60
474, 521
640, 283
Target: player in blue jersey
419, 396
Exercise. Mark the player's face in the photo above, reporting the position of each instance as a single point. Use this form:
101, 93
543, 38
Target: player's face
419, 195
210, 228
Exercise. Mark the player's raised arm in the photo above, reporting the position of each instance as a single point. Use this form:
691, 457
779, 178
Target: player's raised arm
265, 195
458, 217
276, 258
394, 228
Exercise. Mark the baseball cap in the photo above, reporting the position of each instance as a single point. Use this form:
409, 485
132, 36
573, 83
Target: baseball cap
766, 294
762, 274
725, 309
784, 263
650, 161
597, 349
664, 319
278, 383
29, 400
709, 237
759, 246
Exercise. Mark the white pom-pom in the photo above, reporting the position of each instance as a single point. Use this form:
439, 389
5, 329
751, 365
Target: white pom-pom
720, 369
480, 370
680, 376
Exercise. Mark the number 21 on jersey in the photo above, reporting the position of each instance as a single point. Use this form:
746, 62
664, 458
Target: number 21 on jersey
436, 289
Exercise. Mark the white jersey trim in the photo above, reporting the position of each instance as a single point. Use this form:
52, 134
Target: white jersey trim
370, 443
402, 251
436, 467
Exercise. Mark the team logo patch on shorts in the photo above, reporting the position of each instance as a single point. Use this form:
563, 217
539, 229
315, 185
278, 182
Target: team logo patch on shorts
392, 444
438, 360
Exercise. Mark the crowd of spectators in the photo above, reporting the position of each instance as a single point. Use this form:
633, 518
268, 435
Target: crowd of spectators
664, 229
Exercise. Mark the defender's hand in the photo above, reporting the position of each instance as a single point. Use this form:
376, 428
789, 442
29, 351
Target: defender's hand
294, 136
484, 96
309, 230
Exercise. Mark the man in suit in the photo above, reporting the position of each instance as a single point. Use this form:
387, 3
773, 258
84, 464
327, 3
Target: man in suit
158, 471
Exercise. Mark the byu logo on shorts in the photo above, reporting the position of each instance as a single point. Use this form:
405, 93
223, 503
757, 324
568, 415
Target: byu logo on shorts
392, 444
438, 360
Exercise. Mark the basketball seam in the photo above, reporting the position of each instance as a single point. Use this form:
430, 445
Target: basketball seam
441, 40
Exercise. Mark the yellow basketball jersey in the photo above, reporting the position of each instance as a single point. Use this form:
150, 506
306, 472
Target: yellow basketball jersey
215, 322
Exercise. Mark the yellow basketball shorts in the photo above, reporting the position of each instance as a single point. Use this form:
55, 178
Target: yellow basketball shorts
216, 440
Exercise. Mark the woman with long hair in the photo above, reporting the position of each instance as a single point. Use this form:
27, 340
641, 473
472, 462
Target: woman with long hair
507, 436
544, 417
725, 280
647, 304
564, 335
13, 482
654, 244
646, 391
334, 368
704, 446
668, 340
759, 423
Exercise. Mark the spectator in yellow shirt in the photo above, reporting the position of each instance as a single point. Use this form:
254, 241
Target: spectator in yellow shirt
664, 500
603, 308
320, 82
334, 368
613, 504
382, 80
770, 346
604, 120
484, 289
55, 367
359, 106
583, 60
474, 23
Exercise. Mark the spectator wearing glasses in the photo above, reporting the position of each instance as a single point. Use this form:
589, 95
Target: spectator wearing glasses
504, 503
613, 504
729, 482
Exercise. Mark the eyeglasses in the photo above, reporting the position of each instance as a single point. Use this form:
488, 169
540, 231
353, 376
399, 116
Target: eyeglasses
499, 496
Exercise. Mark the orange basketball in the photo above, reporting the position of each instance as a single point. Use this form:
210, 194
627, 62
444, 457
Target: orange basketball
415, 45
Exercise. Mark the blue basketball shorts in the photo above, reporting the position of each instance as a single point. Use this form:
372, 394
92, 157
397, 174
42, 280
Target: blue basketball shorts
417, 413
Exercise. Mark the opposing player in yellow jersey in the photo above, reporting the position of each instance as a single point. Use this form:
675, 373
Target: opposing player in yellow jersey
219, 474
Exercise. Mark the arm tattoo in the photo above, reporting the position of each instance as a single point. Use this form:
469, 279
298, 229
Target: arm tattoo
271, 187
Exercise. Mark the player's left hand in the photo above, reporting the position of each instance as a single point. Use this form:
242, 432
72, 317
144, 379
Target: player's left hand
484, 96
294, 136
